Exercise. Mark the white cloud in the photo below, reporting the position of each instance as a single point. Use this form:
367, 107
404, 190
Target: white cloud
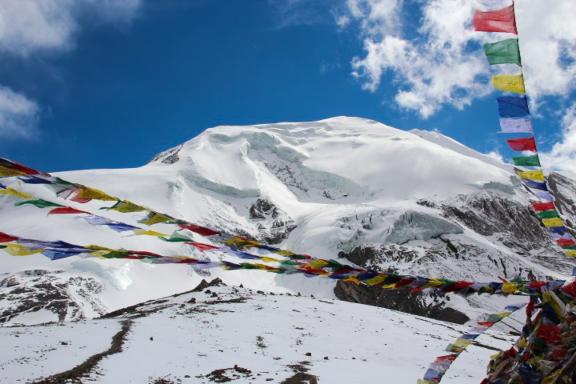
440, 63
548, 44
562, 156
18, 115
28, 27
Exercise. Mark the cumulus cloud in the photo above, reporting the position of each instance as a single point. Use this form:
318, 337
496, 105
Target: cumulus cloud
562, 156
441, 63
29, 27
18, 114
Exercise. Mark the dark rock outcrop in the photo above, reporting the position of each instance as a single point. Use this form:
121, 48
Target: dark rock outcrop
274, 225
65, 295
422, 304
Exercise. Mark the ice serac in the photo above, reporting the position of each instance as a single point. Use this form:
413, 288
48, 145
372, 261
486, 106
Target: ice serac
414, 202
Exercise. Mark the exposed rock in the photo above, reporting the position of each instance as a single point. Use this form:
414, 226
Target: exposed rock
65, 295
273, 224
217, 282
168, 157
422, 304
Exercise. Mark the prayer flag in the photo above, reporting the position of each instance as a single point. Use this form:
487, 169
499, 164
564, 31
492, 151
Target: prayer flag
513, 106
531, 175
155, 218
13, 192
10, 168
509, 83
84, 194
198, 229
521, 125
4, 237
535, 185
65, 211
548, 214
503, 52
38, 203
554, 222
21, 250
565, 242
539, 206
522, 144
527, 161
126, 207
500, 20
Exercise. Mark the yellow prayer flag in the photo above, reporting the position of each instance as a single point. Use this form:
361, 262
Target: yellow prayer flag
375, 280
8, 172
127, 207
155, 218
531, 175
269, 259
570, 252
462, 343
148, 233
20, 250
13, 192
93, 193
317, 264
509, 83
509, 287
284, 252
432, 283
352, 279
555, 303
555, 222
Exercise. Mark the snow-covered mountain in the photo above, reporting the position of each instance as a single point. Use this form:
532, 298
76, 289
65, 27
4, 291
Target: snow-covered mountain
414, 202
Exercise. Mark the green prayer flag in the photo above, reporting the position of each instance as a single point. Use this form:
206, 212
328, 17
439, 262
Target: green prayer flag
569, 247
39, 203
503, 52
548, 214
176, 239
527, 161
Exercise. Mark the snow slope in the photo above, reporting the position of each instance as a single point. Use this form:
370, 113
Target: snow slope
246, 336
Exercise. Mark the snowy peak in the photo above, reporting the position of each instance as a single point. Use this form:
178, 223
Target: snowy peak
339, 158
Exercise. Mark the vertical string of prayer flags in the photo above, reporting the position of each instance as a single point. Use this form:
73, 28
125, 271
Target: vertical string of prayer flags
441, 364
515, 118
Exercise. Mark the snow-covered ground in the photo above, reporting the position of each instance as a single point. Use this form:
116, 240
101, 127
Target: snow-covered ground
186, 338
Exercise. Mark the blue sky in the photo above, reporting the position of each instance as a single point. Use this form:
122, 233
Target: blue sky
120, 87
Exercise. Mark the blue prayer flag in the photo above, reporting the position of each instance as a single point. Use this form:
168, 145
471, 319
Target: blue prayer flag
513, 106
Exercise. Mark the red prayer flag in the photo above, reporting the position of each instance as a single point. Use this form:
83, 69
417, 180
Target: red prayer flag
202, 246
199, 230
500, 20
543, 206
565, 242
4, 237
65, 211
522, 144
570, 289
